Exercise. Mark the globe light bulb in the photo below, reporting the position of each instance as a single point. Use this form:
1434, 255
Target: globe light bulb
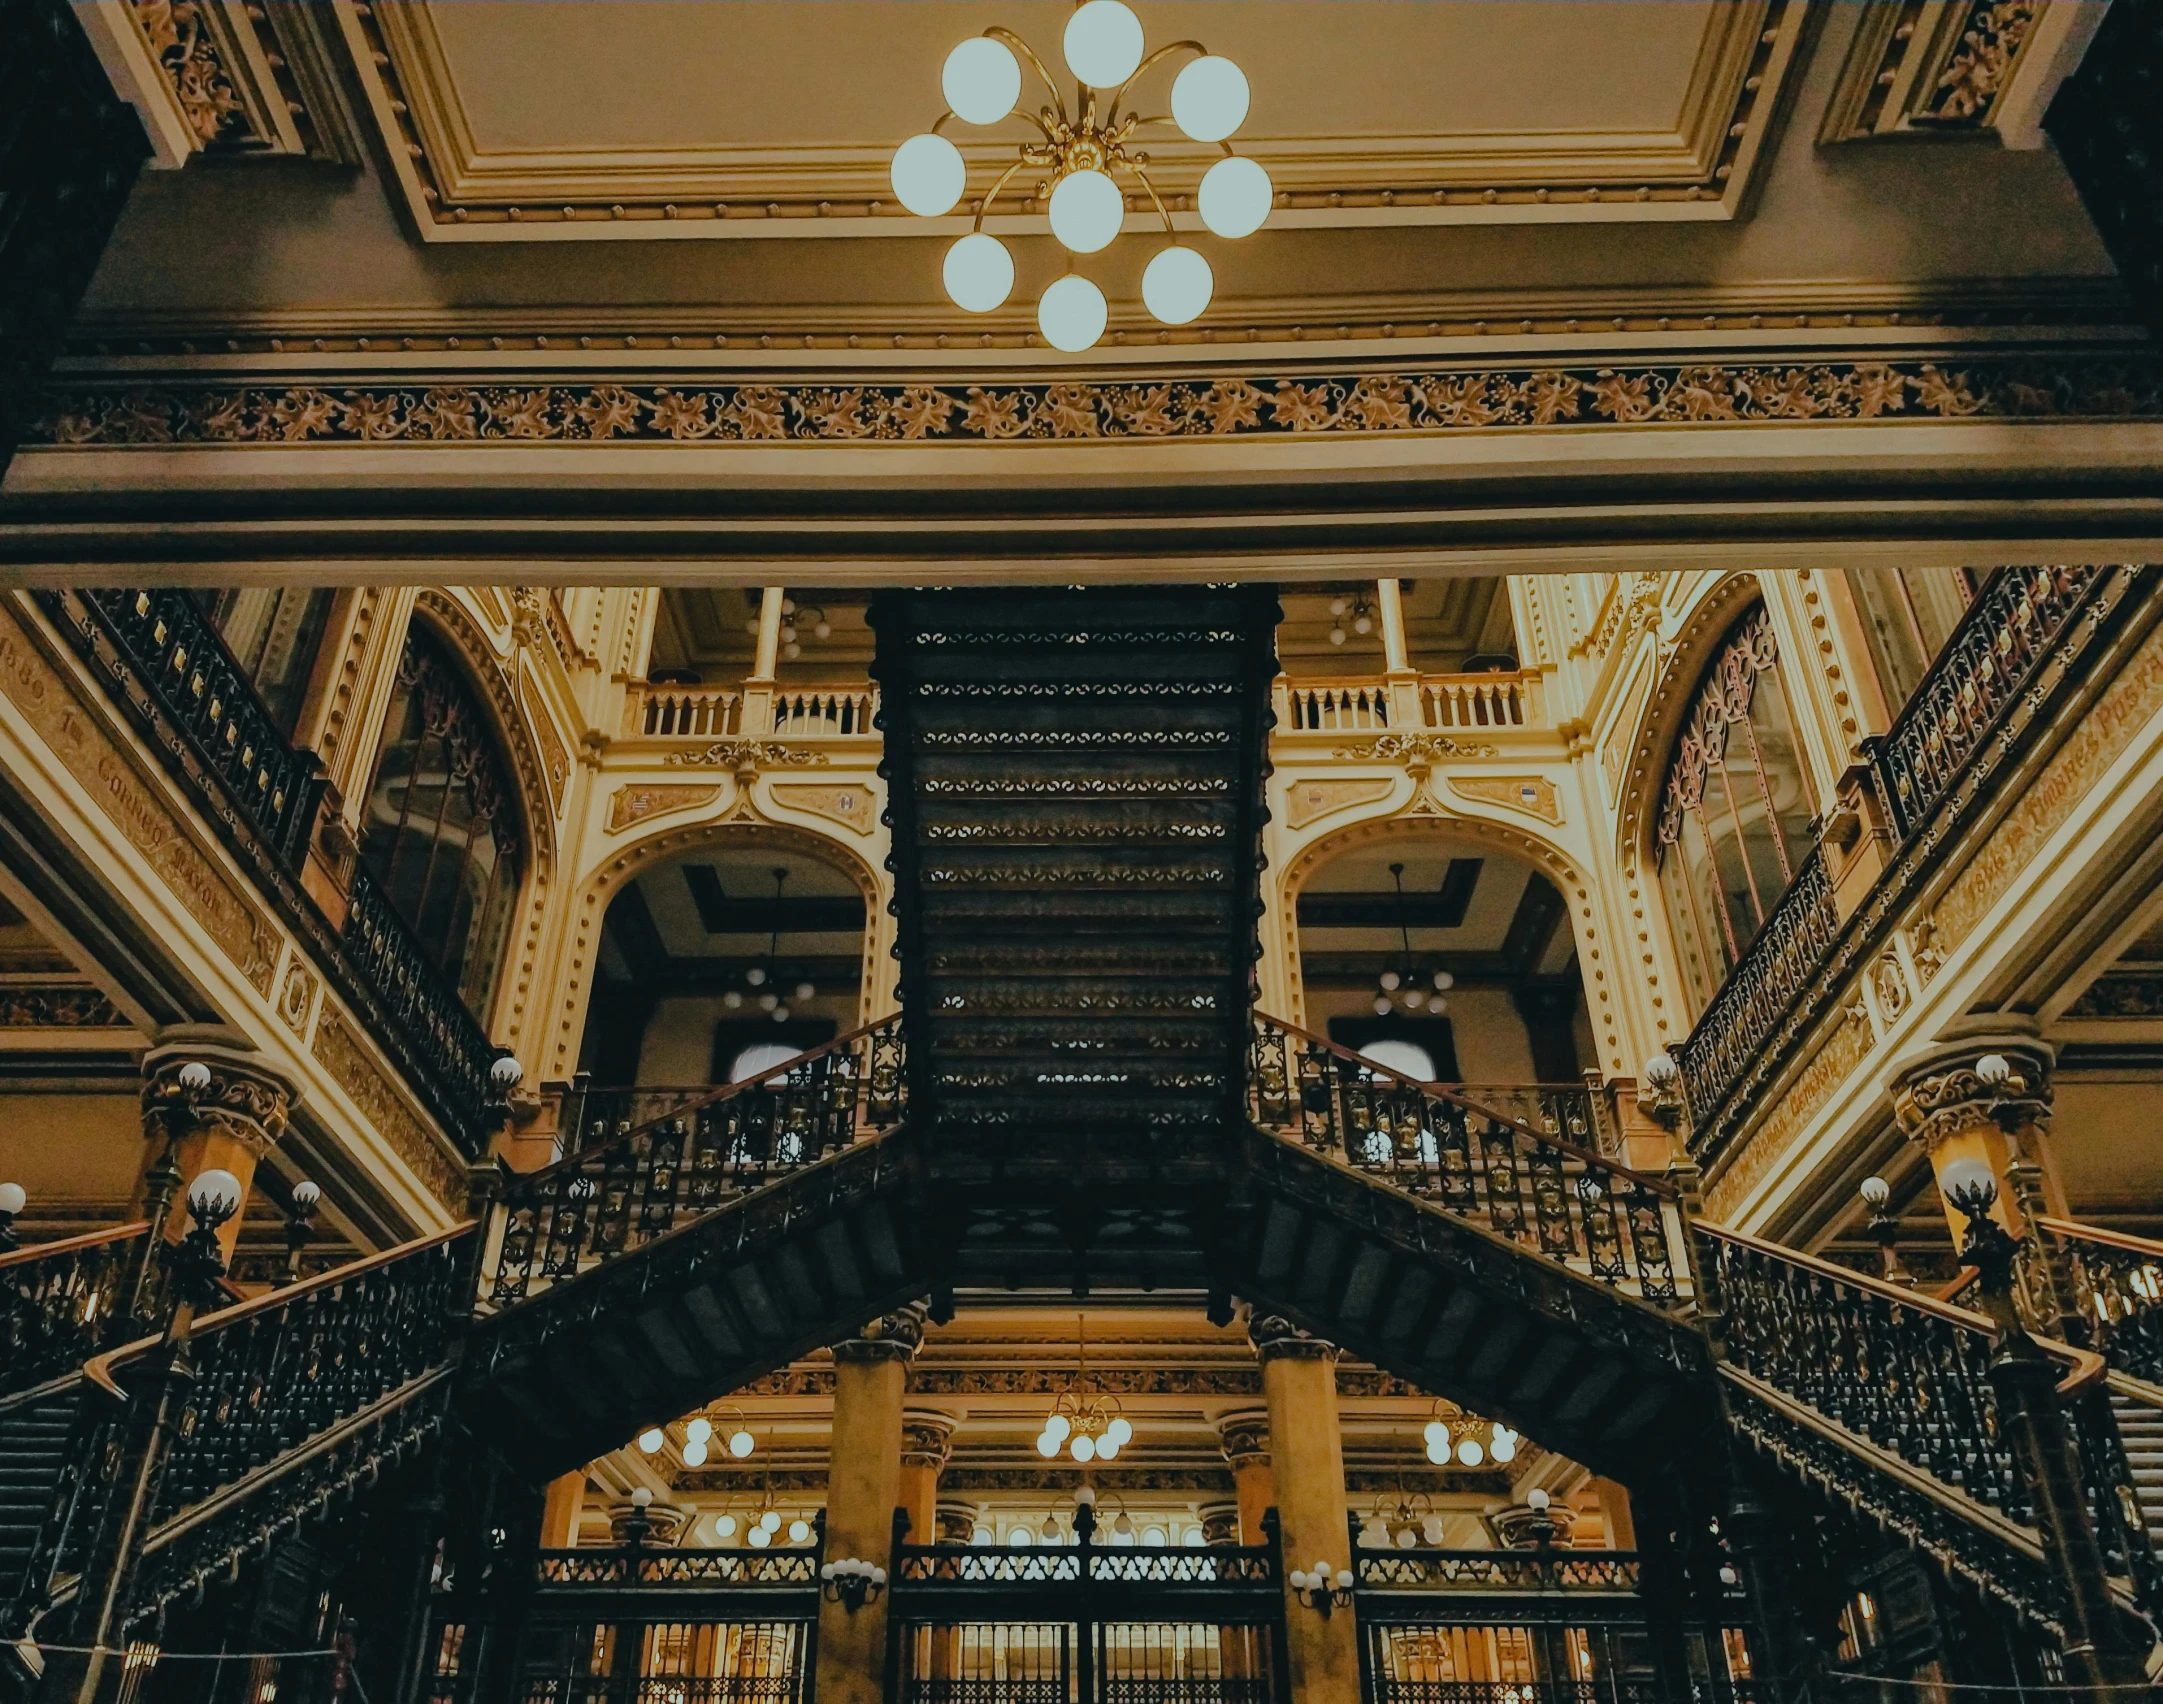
979, 274
1414, 999
1118, 1432
1435, 1431
771, 1520
732, 1000
1505, 1447
1234, 198
1336, 636
1072, 313
804, 991
1103, 43
1047, 1446
1177, 285
1086, 211
760, 1538
740, 1444
1337, 606
694, 1454
1209, 98
1365, 624
1470, 1453
1443, 979
1082, 1448
929, 175
769, 1000
699, 1430
724, 1526
1107, 1450
755, 975
1057, 1427
1438, 1451
651, 1440
1391, 980
1432, 1529
799, 1531
1381, 1005
781, 1014
982, 80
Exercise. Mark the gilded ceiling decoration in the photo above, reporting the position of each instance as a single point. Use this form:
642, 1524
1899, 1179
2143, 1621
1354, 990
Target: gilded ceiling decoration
1978, 387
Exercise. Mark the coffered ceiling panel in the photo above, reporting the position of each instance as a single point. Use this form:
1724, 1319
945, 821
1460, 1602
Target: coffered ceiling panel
508, 121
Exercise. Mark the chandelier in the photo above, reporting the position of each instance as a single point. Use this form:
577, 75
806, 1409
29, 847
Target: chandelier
1090, 1427
765, 975
1455, 1436
698, 1437
1078, 156
1408, 981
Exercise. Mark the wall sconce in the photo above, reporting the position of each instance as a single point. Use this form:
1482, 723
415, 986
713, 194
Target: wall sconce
1320, 1590
851, 1583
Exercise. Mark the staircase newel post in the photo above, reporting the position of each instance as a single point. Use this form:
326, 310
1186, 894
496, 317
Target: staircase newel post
2031, 1414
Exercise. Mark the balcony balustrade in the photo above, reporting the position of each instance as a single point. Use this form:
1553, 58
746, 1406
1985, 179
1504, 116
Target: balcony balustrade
2024, 641
757, 710
1420, 703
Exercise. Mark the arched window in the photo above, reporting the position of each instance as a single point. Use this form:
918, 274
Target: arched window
1734, 821
440, 834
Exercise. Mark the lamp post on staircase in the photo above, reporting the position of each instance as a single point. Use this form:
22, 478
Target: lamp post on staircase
2025, 1377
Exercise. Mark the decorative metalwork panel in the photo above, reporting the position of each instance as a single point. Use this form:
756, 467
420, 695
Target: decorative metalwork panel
175, 655
630, 1186
1004, 1565
56, 1304
646, 1566
1524, 1173
1496, 1570
2117, 1285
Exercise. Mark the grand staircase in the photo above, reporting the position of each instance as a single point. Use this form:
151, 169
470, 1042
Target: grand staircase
1085, 1101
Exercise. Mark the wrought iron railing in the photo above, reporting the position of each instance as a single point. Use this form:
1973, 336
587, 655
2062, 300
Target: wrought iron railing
2116, 1282
1549, 1570
1060, 1565
175, 655
57, 1301
623, 1566
640, 1183
1909, 1375
1524, 1169
445, 1048
293, 1400
1954, 726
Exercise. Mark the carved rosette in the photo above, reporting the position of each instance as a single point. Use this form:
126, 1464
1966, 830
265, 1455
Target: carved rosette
927, 1439
1245, 1438
1276, 1338
241, 1100
1949, 1094
892, 1337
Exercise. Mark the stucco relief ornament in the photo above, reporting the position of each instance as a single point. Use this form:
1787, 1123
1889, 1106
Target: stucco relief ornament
1075, 162
745, 757
2010, 1090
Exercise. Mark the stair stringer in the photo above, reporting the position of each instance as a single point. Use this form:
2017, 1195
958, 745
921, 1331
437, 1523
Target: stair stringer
576, 1370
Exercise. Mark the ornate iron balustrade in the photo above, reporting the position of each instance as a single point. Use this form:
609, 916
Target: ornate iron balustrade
1420, 1570
997, 1565
1519, 1170
640, 1183
173, 653
1776, 971
1909, 1375
445, 1049
57, 1302
2008, 632
1959, 724
2117, 1285
621, 1566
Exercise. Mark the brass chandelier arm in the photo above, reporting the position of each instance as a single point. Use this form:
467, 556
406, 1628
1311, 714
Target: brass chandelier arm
984, 206
1154, 197
1000, 33
1111, 113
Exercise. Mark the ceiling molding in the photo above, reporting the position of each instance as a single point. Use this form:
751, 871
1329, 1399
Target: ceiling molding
456, 190
1937, 67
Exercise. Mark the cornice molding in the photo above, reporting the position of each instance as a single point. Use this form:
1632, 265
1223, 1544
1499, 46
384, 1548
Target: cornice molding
457, 191
1415, 400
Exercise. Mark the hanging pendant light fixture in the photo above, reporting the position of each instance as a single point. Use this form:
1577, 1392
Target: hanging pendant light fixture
1083, 154
1089, 1427
1406, 980
765, 976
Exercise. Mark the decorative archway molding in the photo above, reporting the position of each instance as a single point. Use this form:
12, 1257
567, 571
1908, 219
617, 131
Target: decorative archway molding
601, 884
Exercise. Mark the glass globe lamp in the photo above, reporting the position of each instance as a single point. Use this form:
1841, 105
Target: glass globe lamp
1086, 211
979, 273
1209, 98
982, 80
928, 175
1103, 43
1072, 313
1177, 285
1234, 198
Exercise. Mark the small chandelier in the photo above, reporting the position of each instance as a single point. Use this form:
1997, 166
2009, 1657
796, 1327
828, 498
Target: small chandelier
1080, 151
699, 1434
1403, 1523
765, 976
1408, 981
1090, 1427
1465, 1440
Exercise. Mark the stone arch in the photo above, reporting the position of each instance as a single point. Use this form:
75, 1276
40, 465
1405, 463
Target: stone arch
1542, 854
601, 885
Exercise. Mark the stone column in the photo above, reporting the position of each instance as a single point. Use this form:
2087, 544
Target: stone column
927, 1440
560, 1511
1985, 1101
1299, 1381
863, 1488
1404, 709
1245, 1440
205, 1108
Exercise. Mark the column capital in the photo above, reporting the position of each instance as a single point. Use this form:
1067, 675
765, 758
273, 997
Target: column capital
891, 1337
927, 1438
2002, 1081
1220, 1523
1276, 1338
1244, 1437
194, 1086
954, 1523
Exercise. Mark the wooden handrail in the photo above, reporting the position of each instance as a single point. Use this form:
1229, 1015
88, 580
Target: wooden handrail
99, 1368
1435, 1091
71, 1245
2087, 1366
725, 1091
2109, 1239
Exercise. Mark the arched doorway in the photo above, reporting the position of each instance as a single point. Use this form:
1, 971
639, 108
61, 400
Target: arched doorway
713, 959
1446, 960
